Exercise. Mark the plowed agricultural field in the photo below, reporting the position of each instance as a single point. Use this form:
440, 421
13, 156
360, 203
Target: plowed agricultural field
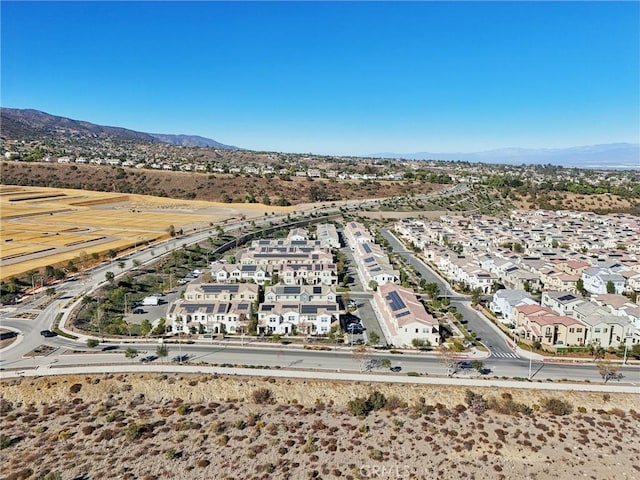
50, 226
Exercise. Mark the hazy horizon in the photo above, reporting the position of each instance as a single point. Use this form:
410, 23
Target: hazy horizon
334, 78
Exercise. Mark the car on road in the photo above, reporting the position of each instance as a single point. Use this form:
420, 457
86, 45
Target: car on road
148, 358
138, 310
396, 369
465, 365
48, 333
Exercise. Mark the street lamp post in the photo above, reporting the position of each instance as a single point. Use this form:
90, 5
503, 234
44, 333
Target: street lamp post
626, 348
530, 360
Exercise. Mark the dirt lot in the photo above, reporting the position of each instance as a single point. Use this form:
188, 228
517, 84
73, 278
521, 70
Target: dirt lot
200, 427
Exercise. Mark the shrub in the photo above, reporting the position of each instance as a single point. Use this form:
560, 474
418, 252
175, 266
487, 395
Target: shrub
262, 396
75, 388
358, 407
172, 454
136, 430
183, 409
556, 406
5, 441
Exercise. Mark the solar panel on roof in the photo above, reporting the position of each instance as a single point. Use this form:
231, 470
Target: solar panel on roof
308, 308
395, 302
222, 308
317, 289
565, 298
403, 314
366, 247
291, 290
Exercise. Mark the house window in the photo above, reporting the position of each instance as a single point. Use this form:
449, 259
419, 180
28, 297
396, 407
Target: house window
417, 330
548, 331
596, 330
579, 330
571, 330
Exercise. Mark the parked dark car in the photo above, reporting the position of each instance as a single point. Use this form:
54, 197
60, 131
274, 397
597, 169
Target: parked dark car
138, 310
48, 333
465, 364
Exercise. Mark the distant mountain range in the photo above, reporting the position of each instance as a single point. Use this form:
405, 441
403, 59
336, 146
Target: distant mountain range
611, 155
26, 124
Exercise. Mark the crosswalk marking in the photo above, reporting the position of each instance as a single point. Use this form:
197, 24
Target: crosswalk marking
505, 355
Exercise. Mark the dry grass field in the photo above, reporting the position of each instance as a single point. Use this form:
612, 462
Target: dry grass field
50, 226
151, 426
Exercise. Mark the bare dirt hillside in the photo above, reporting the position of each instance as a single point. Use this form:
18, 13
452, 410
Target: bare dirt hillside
201, 427
199, 186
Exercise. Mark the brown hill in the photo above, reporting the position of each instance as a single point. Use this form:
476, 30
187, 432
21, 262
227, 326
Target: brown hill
201, 186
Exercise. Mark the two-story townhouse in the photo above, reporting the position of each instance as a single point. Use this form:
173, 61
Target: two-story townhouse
205, 292
541, 324
327, 235
286, 318
596, 279
608, 331
210, 316
403, 318
505, 300
561, 302
308, 274
300, 294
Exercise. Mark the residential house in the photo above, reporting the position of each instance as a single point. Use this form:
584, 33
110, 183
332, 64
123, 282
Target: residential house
404, 318
596, 279
505, 300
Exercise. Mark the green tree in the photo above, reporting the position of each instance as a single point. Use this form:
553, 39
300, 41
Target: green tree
385, 363
374, 338
145, 327
162, 351
477, 365
160, 328
432, 290
172, 230
92, 342
110, 276
580, 287
475, 296
131, 352
611, 287
373, 285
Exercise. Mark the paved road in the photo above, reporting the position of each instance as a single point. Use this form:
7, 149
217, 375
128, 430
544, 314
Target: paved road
340, 359
487, 333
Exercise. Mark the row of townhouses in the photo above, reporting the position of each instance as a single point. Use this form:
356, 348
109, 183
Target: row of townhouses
300, 297
532, 252
565, 319
402, 316
372, 262
305, 300
296, 260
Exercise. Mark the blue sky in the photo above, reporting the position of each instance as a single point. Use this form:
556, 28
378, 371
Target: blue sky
333, 77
